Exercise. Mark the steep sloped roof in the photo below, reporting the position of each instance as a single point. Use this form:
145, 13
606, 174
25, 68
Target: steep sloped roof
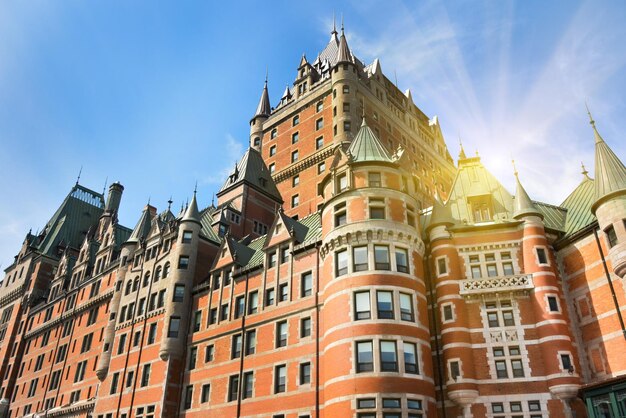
252, 170
578, 205
264, 108
553, 216
142, 229
522, 204
366, 147
610, 172
207, 220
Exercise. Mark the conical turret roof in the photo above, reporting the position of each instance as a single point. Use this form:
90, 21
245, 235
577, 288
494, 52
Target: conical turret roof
143, 225
343, 51
610, 172
366, 147
440, 215
264, 108
192, 214
522, 204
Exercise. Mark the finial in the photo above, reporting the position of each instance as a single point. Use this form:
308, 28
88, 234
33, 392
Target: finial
79, 173
363, 115
342, 23
395, 76
266, 73
213, 200
334, 31
149, 200
591, 121
514, 168
169, 203
584, 172
104, 189
195, 189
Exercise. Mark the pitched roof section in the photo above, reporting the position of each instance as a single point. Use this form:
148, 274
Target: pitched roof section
610, 173
252, 170
440, 214
366, 147
264, 108
78, 213
343, 52
578, 205
192, 214
142, 229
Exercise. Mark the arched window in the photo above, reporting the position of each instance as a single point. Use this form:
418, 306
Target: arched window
157, 274
136, 284
129, 287
146, 279
166, 270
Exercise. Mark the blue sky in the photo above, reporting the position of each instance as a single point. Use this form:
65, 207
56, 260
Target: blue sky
158, 94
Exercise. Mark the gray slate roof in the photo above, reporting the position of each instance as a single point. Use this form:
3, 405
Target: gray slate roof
252, 170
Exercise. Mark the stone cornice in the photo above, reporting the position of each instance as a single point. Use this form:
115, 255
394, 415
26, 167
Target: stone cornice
13, 295
311, 160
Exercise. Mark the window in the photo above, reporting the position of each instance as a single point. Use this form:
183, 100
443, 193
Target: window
359, 258
341, 263
55, 378
388, 356
235, 347
274, 133
224, 312
197, 321
272, 259
319, 124
553, 304
402, 257
374, 180
447, 313
136, 338
280, 379
295, 180
319, 142
145, 375
174, 327
362, 305
233, 387
295, 120
188, 396
272, 168
342, 182
179, 293
455, 369
305, 327
346, 107
381, 257
250, 342
253, 302
321, 167
365, 357
272, 150
114, 382
406, 307
248, 385
80, 371
346, 89
152, 333
86, 345
206, 393
183, 262
542, 258
283, 288
611, 236
347, 126
295, 137
377, 208
122, 344
187, 235
366, 403
294, 156
410, 358
213, 316
319, 106
340, 214
566, 362
281, 334
295, 200
305, 373
442, 268
269, 297
306, 284
240, 306
500, 313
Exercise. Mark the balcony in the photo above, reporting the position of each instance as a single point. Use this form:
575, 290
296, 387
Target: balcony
520, 283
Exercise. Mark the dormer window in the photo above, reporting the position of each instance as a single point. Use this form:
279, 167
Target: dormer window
481, 208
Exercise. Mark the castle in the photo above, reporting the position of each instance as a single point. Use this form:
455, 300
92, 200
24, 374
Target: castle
329, 280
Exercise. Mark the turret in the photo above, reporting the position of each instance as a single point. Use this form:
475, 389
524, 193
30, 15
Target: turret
263, 111
344, 86
179, 287
610, 201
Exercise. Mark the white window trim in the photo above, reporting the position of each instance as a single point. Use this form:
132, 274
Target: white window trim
535, 248
447, 263
449, 379
571, 359
547, 303
443, 318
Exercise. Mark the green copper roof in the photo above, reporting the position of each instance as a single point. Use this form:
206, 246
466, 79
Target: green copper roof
79, 211
366, 147
252, 170
610, 174
578, 205
553, 216
523, 205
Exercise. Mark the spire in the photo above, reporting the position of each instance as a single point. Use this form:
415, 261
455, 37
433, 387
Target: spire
610, 172
264, 108
79, 173
462, 155
585, 173
192, 214
523, 206
143, 226
333, 33
343, 52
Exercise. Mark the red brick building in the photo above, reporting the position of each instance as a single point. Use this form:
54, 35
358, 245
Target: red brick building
329, 280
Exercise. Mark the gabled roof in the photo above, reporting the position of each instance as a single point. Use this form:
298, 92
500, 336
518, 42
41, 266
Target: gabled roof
366, 147
252, 170
292, 229
610, 172
142, 229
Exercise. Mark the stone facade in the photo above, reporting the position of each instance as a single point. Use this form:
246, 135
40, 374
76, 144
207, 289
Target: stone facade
329, 280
